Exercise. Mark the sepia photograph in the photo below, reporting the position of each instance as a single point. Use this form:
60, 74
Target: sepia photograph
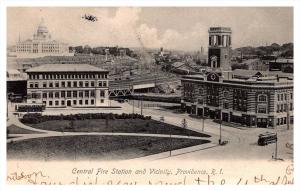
150, 95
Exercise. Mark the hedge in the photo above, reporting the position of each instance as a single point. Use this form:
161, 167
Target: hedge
34, 118
31, 108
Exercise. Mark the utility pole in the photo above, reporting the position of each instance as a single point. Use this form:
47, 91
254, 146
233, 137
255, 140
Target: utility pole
288, 111
203, 119
276, 147
220, 107
141, 105
133, 106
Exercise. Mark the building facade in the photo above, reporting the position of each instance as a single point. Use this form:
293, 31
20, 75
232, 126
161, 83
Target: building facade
252, 99
41, 45
67, 85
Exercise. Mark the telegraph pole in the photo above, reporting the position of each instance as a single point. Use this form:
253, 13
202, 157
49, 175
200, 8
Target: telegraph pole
141, 106
276, 147
220, 107
133, 106
288, 112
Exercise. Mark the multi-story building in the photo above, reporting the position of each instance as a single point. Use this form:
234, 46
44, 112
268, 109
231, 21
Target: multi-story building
41, 45
247, 97
67, 85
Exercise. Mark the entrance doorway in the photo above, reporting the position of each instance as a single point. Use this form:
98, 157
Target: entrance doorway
69, 103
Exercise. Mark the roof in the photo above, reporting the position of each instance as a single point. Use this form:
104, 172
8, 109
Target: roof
283, 60
247, 73
66, 68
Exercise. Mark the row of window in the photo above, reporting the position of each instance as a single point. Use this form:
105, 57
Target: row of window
67, 76
66, 94
71, 102
283, 107
284, 96
67, 84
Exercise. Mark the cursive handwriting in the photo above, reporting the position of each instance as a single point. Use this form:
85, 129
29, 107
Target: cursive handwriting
31, 177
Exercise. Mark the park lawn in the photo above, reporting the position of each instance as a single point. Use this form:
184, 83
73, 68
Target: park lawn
116, 125
93, 147
14, 129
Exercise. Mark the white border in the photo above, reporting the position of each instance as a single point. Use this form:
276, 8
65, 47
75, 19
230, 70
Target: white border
144, 3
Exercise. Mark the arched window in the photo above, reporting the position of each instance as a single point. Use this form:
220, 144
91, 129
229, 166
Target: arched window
262, 98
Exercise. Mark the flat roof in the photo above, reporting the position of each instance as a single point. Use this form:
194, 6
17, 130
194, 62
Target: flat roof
66, 68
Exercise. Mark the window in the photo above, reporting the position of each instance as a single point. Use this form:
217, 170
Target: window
69, 84
93, 93
63, 84
102, 93
291, 95
226, 94
278, 97
36, 85
104, 84
92, 84
86, 93
74, 102
200, 100
80, 102
50, 103
74, 84
102, 100
51, 84
92, 102
68, 93
56, 102
261, 109
262, 98
50, 94
226, 105
86, 102
80, 94
63, 102
86, 84
74, 93
44, 95
56, 84
100, 83
56, 94
44, 84
31, 85
63, 94
80, 84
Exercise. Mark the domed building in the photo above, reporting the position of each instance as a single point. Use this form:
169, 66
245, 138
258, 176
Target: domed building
41, 45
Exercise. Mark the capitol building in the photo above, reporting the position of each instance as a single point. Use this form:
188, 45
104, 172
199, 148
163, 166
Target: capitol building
41, 45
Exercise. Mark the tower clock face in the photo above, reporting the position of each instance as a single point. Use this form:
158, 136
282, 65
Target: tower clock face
213, 77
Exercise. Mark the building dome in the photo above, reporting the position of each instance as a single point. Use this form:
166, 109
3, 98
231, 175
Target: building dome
42, 27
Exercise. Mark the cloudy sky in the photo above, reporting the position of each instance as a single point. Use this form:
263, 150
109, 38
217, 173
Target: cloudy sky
171, 28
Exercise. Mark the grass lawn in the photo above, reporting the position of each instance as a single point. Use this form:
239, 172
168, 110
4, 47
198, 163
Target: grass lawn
117, 125
94, 147
13, 129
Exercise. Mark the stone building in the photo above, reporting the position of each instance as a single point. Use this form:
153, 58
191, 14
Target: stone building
41, 45
67, 85
245, 97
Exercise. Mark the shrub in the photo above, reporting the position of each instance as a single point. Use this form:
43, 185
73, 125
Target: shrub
34, 118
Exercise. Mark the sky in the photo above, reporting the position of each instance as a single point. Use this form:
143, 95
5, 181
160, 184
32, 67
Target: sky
181, 28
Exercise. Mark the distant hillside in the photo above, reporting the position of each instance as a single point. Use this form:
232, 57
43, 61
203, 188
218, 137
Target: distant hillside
285, 50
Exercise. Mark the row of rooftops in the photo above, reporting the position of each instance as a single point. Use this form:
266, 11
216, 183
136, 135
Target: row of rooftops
251, 77
65, 68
